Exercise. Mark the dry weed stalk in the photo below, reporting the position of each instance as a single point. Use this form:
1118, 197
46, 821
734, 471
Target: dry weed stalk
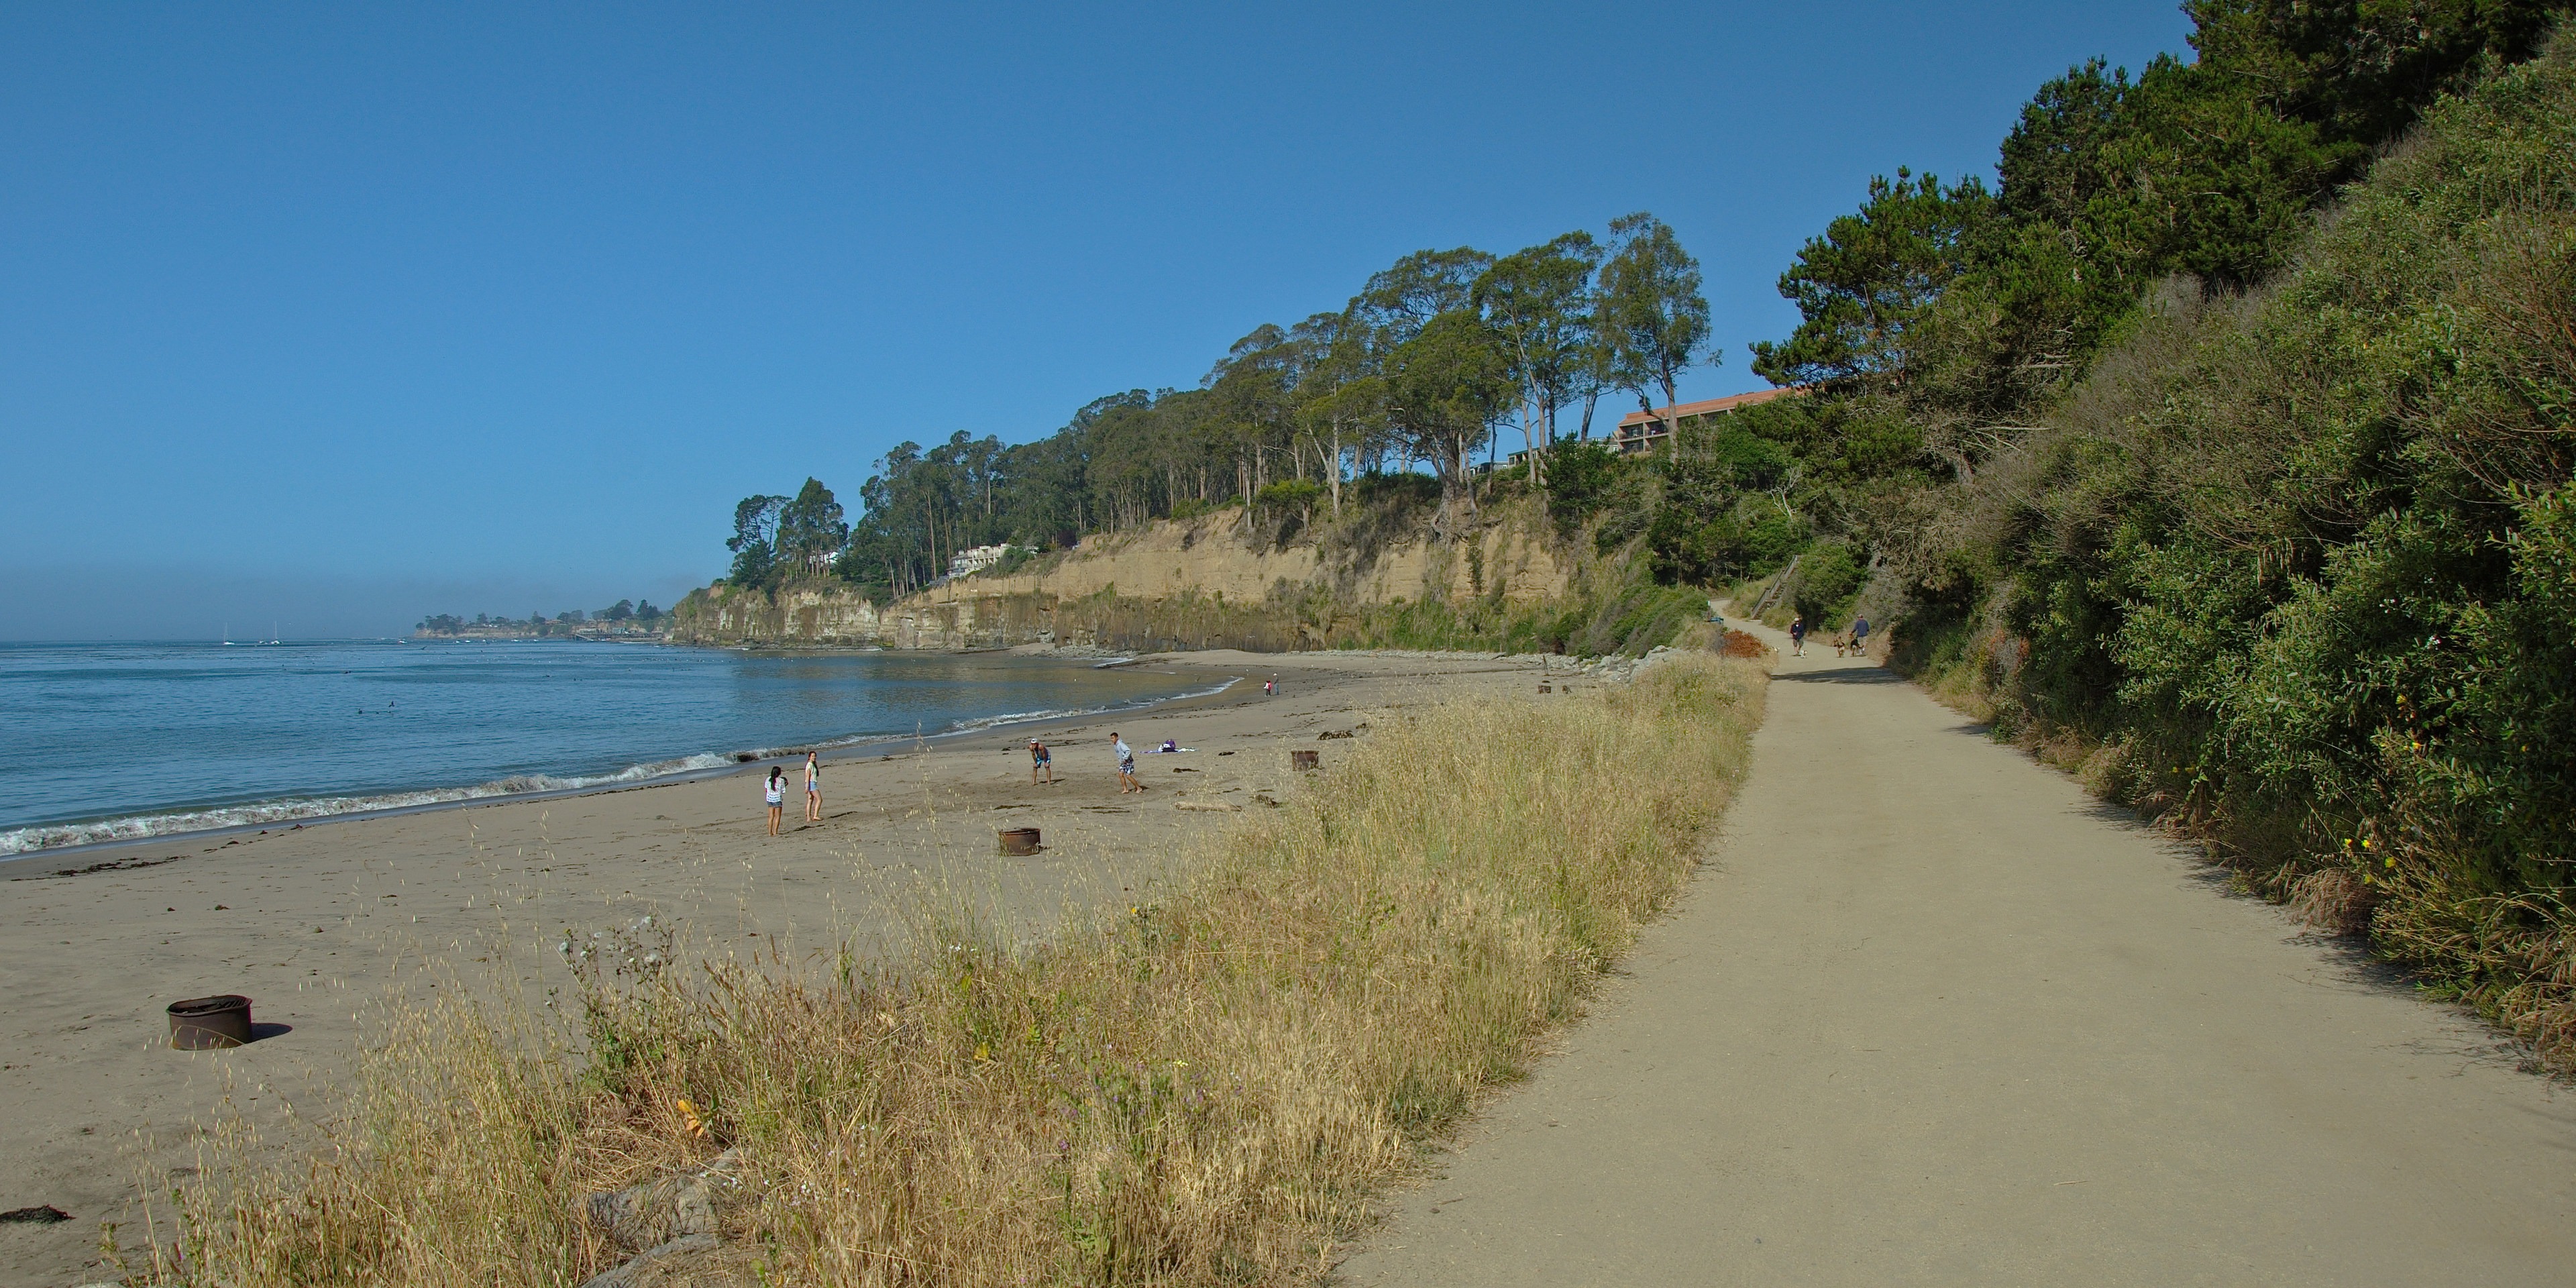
1208, 1089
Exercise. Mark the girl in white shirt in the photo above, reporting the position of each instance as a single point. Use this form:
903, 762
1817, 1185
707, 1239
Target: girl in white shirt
777, 793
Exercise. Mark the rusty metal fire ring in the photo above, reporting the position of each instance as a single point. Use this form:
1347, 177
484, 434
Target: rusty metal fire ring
210, 1023
1019, 840
1305, 760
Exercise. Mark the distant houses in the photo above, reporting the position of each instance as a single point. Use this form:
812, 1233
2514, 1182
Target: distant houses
1643, 431
966, 563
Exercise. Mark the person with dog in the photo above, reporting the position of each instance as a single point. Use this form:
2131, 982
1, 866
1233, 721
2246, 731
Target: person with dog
1860, 636
1797, 637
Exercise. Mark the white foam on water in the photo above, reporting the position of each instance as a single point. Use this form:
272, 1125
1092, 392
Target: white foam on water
1023, 717
139, 827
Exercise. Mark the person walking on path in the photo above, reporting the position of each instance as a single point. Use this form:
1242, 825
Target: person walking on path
1041, 765
1126, 766
813, 788
1860, 635
776, 792
1797, 637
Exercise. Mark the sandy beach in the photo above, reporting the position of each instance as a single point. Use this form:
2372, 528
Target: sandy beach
322, 924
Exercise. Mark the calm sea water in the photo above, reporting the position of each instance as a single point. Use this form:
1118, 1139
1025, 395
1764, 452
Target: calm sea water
112, 741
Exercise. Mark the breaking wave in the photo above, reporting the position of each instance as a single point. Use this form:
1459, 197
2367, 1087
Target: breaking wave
140, 827
1022, 717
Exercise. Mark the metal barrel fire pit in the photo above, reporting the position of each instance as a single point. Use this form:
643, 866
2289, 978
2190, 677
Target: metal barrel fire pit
1305, 759
1547, 688
1019, 840
207, 1023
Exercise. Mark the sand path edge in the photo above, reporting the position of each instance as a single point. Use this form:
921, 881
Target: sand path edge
1935, 1016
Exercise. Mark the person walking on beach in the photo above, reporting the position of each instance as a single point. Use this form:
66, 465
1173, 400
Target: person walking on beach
1270, 687
1797, 637
813, 788
1126, 766
1040, 763
776, 793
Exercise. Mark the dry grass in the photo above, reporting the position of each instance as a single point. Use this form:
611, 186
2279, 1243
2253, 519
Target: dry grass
1211, 1089
2334, 900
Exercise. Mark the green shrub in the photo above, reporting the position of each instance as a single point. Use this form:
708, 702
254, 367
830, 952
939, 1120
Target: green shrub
1829, 578
2308, 557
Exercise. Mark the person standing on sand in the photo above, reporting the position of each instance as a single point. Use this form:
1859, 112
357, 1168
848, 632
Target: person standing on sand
1126, 766
1040, 763
813, 788
776, 792
1797, 637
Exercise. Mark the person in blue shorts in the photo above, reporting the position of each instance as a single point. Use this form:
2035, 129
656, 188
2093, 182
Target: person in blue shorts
1797, 637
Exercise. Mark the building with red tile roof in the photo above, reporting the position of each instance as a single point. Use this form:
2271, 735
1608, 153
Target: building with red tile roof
1641, 431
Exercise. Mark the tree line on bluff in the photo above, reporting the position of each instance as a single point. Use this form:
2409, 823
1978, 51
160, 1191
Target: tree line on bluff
2224, 437
624, 614
1423, 369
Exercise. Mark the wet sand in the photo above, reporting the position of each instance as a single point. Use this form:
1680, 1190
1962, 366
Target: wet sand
322, 924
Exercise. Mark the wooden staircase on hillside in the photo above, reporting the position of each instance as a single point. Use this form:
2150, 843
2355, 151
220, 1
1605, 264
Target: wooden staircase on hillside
1778, 588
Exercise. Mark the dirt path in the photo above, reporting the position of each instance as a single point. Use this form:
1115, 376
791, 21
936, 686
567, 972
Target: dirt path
1938, 1017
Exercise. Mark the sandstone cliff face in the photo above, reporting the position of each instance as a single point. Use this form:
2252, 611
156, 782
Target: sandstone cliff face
1192, 583
1209, 556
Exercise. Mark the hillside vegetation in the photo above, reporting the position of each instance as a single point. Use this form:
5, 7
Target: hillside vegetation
2223, 454
2299, 565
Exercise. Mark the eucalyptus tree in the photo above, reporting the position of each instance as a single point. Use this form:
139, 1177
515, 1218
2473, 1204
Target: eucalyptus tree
1446, 386
1539, 303
1253, 405
754, 541
1402, 299
1657, 318
811, 530
1342, 395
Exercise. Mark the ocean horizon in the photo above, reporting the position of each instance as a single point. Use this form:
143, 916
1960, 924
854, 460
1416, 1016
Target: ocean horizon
115, 741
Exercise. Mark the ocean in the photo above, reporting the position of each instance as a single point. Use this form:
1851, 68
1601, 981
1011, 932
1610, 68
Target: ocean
107, 742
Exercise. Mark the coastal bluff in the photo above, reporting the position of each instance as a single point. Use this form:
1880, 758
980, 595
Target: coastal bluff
1211, 581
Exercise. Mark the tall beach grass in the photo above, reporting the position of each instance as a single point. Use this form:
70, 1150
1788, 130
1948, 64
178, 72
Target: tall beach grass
1209, 1089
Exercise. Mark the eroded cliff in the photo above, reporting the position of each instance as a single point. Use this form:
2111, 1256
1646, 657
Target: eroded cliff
1207, 582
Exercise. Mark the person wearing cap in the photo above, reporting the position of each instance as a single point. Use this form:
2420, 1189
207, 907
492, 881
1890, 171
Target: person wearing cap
1040, 765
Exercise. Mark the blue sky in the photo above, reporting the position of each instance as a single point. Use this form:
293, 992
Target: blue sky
338, 316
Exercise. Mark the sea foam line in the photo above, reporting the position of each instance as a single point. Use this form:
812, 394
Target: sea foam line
140, 827
143, 827
1023, 717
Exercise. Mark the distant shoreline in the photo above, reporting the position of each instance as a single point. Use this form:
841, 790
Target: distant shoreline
585, 637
